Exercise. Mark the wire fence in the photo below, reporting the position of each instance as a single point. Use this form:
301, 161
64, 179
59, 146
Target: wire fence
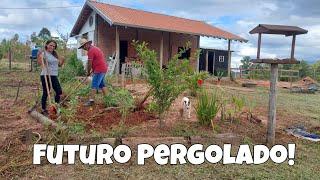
284, 75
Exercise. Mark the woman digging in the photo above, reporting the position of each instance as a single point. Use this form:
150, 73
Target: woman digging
49, 61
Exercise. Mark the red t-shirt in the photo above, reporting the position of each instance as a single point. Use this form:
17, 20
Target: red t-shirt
95, 55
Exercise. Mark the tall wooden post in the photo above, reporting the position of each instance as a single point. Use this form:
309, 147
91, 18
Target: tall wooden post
161, 50
118, 65
293, 46
198, 58
259, 46
272, 104
207, 60
10, 57
229, 57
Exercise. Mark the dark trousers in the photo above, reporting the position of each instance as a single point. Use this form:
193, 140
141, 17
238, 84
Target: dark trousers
55, 85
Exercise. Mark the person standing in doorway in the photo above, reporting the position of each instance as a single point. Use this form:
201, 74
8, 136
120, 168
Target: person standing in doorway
96, 65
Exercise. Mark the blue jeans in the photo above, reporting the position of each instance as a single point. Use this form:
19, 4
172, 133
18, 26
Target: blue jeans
98, 81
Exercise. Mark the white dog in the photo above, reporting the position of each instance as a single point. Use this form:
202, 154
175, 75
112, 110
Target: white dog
186, 107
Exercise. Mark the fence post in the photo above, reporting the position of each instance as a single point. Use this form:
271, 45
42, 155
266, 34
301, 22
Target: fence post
10, 58
272, 104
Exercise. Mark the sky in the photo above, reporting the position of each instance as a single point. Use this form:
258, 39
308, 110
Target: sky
235, 16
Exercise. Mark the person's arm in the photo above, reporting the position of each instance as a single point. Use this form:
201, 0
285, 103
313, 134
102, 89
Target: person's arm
40, 57
89, 67
89, 63
41, 60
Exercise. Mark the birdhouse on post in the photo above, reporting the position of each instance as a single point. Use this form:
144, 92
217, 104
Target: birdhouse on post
279, 30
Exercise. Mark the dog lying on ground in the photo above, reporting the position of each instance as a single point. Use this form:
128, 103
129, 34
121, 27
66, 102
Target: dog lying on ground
185, 108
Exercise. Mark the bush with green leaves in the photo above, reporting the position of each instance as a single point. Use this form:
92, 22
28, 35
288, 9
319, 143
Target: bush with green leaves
167, 83
207, 107
119, 97
193, 81
73, 67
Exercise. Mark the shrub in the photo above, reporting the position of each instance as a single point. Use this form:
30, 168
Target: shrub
193, 82
167, 83
119, 98
73, 67
207, 107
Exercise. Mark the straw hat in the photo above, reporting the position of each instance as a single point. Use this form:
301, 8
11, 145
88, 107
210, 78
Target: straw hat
83, 42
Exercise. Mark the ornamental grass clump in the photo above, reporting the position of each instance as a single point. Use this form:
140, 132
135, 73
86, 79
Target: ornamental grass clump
207, 107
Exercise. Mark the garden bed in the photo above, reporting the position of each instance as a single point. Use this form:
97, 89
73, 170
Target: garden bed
97, 118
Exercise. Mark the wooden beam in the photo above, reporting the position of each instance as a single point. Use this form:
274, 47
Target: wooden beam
137, 34
259, 46
170, 48
293, 46
198, 58
117, 51
10, 57
272, 105
214, 62
229, 57
161, 50
96, 31
207, 60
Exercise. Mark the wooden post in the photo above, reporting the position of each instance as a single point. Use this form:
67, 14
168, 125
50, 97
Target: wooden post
118, 65
229, 57
272, 104
259, 46
207, 60
10, 57
198, 58
293, 46
161, 50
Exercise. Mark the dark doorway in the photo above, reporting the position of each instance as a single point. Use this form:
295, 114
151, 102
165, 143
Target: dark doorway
202, 60
210, 62
123, 53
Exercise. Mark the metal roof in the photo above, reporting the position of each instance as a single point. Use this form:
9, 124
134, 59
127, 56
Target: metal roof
278, 29
116, 15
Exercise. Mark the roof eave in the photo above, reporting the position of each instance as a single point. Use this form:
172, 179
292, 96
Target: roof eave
72, 34
100, 13
174, 31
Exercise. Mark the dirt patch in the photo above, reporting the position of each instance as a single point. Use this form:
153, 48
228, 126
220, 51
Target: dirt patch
96, 118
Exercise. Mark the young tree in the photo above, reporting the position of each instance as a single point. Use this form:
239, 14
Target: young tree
167, 84
246, 64
44, 34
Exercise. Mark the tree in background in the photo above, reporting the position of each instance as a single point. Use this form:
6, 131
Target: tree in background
246, 64
304, 68
44, 34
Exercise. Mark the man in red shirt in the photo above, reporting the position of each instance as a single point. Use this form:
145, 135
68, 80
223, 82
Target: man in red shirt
97, 65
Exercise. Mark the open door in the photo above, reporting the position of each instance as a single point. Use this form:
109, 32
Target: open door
123, 53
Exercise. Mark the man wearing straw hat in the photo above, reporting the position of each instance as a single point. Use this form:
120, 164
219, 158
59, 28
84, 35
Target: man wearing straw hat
97, 65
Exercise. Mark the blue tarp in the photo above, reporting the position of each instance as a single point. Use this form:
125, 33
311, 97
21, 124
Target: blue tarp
300, 132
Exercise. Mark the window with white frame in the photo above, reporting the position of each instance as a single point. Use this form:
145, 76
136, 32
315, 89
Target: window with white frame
221, 58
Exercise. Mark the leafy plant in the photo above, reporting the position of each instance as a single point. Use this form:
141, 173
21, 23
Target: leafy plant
77, 128
193, 82
207, 107
168, 84
73, 67
220, 74
119, 98
84, 91
151, 108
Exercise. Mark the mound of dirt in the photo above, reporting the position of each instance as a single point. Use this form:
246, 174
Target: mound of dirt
95, 118
307, 81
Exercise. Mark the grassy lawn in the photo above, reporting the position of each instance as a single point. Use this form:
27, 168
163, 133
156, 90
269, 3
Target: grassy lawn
292, 109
